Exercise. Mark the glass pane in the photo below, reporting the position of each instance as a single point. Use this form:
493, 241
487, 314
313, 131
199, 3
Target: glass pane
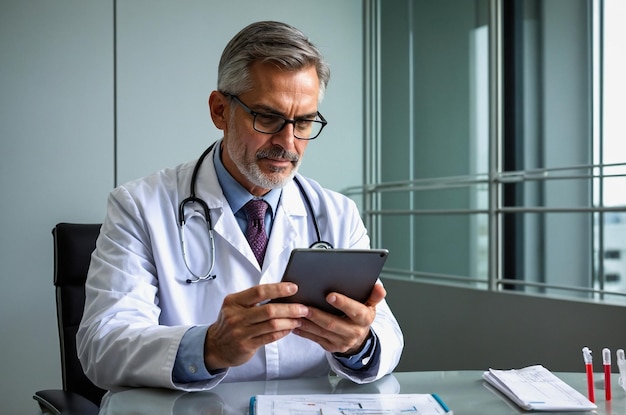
434, 72
439, 248
548, 258
548, 92
613, 93
611, 226
613, 256
434, 104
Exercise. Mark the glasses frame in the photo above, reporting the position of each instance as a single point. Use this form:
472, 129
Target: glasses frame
286, 121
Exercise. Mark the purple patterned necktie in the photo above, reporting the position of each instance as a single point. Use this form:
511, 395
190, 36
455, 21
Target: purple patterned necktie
255, 233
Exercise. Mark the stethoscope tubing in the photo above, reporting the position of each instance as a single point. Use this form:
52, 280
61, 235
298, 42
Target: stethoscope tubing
207, 214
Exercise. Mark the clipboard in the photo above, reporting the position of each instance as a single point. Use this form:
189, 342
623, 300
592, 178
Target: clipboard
318, 272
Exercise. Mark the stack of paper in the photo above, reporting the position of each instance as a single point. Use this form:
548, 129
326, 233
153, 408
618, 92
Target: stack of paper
348, 404
536, 388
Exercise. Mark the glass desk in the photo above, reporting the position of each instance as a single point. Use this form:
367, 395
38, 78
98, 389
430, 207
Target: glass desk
464, 391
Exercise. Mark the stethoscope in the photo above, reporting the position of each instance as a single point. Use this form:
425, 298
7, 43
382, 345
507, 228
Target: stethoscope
319, 244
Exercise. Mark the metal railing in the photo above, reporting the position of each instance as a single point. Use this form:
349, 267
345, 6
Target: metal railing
372, 213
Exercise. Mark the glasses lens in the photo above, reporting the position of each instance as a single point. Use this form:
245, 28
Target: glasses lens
268, 123
307, 129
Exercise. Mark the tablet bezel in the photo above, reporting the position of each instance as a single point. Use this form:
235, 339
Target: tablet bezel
317, 272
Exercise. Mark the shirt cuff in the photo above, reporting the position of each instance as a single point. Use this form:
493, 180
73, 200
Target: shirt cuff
189, 364
362, 358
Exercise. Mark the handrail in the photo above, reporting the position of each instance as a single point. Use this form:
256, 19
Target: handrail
543, 174
396, 273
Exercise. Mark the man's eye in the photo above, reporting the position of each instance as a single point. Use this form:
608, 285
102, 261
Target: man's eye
304, 124
268, 119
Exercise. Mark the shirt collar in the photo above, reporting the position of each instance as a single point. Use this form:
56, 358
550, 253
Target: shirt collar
235, 193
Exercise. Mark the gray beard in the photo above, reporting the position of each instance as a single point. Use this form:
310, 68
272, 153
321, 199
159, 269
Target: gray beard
253, 173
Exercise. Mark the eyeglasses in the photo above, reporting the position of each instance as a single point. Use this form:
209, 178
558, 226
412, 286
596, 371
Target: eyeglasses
303, 128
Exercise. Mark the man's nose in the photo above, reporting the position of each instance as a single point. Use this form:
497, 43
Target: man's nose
285, 137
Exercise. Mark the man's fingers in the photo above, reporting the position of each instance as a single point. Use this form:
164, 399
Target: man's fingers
377, 295
263, 293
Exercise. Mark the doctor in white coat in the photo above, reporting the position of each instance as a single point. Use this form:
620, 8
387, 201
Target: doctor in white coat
156, 317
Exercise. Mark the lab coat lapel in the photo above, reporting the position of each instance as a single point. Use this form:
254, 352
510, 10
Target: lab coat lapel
227, 230
289, 225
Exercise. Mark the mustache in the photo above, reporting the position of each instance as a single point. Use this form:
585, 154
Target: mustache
277, 152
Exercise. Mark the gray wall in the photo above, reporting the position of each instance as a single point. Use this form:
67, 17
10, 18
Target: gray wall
167, 54
58, 157
456, 328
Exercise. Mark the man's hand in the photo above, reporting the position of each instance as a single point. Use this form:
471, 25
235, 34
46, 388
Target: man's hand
342, 334
246, 323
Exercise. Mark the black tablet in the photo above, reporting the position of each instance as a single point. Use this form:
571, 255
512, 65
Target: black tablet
352, 272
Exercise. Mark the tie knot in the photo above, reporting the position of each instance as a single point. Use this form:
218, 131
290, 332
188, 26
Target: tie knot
255, 209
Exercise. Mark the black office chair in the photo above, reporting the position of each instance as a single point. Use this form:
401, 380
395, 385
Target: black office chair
73, 245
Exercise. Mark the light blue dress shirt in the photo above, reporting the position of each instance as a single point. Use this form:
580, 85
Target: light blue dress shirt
189, 365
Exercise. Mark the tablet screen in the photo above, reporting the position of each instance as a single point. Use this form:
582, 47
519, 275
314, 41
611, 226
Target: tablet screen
317, 272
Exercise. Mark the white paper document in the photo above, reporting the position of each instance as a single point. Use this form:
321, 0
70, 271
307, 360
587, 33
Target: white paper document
536, 388
349, 404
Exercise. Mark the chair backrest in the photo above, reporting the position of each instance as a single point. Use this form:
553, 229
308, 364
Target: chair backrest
73, 245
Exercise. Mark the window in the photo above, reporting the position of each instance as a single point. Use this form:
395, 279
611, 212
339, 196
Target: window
495, 152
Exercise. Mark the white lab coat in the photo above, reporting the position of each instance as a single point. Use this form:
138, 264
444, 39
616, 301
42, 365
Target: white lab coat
138, 305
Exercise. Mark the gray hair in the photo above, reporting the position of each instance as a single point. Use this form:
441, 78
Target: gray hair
268, 41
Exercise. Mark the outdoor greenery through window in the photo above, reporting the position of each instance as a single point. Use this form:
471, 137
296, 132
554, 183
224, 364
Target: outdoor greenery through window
495, 146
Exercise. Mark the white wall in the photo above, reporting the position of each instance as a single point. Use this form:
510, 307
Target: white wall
58, 158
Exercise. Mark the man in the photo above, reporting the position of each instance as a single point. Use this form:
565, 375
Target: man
154, 316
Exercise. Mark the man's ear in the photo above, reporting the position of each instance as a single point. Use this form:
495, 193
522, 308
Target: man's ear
218, 106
